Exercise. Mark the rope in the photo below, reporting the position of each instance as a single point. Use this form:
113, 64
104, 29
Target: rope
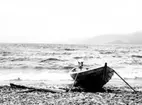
80, 67
73, 83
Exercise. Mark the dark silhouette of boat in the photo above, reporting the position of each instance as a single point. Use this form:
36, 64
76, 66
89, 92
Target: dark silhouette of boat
92, 79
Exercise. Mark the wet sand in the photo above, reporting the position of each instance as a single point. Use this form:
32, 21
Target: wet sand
116, 92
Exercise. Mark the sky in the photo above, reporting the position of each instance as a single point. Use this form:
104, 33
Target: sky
63, 21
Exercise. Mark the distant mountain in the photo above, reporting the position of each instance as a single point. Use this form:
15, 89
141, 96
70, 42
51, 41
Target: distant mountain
134, 38
103, 39
117, 42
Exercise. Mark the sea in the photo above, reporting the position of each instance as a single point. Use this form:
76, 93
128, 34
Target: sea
55, 61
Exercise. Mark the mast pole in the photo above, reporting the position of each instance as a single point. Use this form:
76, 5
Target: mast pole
124, 81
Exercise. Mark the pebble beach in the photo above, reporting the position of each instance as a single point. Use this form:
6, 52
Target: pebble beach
114, 93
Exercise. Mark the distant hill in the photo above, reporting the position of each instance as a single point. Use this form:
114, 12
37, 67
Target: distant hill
117, 42
134, 38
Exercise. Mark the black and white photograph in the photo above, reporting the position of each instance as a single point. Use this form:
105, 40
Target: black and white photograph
70, 52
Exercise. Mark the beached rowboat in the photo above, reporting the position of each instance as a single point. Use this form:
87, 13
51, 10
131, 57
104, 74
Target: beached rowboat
93, 78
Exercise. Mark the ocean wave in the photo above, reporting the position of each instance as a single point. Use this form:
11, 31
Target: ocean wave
78, 57
50, 59
69, 49
20, 59
24, 67
140, 78
84, 57
66, 53
137, 56
47, 53
5, 53
2, 59
40, 67
133, 62
67, 67
6, 67
106, 52
40, 57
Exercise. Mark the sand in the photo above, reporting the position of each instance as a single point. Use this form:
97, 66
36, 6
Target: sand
115, 92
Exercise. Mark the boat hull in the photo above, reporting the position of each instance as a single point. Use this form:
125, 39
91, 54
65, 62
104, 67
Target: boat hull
94, 78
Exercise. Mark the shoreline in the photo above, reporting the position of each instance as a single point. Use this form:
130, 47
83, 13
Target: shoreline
113, 81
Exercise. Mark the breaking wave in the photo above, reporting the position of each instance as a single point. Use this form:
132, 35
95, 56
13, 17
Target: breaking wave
50, 59
58, 57
137, 56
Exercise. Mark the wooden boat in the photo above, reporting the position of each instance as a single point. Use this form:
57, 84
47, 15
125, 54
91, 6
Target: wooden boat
93, 78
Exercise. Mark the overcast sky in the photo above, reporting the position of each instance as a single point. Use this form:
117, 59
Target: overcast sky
53, 21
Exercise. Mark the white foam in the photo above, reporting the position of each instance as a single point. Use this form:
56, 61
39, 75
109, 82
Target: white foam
34, 75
